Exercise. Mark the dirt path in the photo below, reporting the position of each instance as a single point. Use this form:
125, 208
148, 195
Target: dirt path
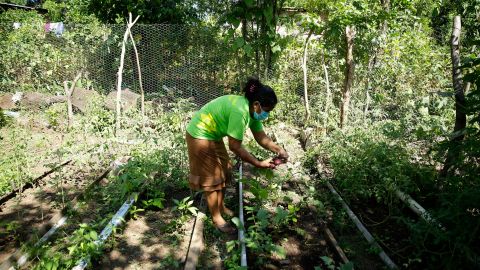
156, 239
147, 243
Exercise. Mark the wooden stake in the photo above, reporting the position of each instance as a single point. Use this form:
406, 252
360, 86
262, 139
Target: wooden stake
139, 77
120, 72
305, 85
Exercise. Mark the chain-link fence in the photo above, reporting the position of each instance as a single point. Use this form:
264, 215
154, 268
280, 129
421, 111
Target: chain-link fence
175, 61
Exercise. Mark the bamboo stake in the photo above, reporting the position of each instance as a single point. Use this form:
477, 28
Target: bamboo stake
142, 93
120, 72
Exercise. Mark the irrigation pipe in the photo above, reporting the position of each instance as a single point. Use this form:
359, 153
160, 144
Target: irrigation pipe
390, 264
114, 222
61, 220
417, 208
12, 114
241, 232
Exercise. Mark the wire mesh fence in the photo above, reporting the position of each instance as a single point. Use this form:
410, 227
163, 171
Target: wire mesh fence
176, 61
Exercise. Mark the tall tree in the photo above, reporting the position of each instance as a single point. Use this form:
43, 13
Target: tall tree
460, 116
349, 74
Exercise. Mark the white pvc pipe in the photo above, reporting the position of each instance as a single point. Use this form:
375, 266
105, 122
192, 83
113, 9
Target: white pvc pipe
241, 233
24, 257
114, 222
364, 230
12, 114
417, 208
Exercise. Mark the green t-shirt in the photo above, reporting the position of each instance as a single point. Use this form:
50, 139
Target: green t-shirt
226, 115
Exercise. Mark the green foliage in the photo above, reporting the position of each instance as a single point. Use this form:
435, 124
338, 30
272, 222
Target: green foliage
155, 12
170, 262
249, 42
98, 119
441, 20
155, 202
286, 217
459, 198
185, 208
330, 264
257, 239
56, 115
14, 164
82, 243
33, 60
366, 165
3, 120
9, 229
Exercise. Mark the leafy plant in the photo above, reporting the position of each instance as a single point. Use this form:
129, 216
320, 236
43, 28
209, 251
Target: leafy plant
257, 239
134, 211
330, 264
286, 217
55, 114
185, 208
156, 202
3, 120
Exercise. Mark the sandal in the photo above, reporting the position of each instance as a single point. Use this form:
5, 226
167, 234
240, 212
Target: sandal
226, 228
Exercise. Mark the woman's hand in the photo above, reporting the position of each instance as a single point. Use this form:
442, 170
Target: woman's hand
267, 164
283, 154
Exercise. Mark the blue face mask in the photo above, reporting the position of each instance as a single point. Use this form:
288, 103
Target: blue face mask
260, 116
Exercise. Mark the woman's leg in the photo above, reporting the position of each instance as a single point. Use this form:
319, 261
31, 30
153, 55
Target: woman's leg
213, 199
221, 203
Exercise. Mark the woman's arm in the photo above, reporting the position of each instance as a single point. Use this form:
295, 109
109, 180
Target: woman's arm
236, 147
267, 143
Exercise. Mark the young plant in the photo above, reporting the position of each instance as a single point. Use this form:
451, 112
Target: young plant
257, 238
185, 208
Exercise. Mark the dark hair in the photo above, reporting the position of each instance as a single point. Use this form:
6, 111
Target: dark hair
256, 91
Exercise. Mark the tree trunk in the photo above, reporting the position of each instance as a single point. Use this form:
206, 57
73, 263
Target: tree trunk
460, 116
245, 37
367, 88
305, 84
349, 73
328, 96
257, 53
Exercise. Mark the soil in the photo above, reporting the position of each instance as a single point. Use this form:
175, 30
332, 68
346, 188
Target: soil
6, 102
30, 211
145, 244
151, 241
